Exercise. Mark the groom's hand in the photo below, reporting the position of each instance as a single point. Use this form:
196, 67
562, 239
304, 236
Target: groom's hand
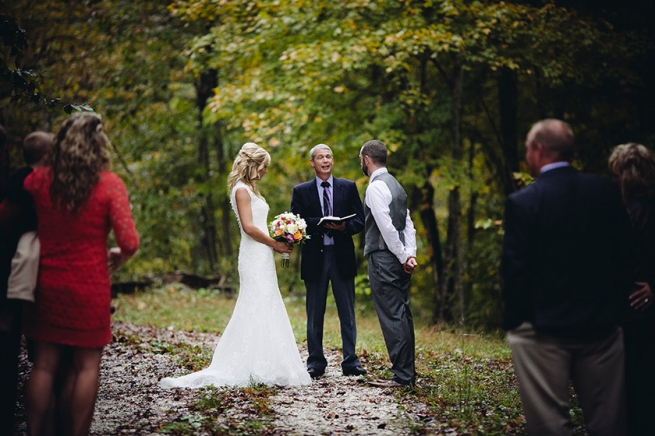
410, 264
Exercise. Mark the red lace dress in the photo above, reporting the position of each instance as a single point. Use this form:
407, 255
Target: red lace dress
74, 291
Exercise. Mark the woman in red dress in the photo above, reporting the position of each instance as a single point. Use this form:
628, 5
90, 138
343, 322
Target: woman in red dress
78, 202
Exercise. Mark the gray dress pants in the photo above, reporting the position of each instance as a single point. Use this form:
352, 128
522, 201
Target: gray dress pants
390, 290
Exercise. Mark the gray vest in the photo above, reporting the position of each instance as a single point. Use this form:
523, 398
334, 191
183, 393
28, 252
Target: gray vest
398, 210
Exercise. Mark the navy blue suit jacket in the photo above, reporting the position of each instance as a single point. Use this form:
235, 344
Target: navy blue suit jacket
305, 202
566, 255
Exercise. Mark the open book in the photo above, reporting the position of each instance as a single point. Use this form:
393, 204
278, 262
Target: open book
334, 219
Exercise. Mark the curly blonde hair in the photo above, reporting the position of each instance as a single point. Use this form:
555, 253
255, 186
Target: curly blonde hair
634, 167
249, 161
79, 154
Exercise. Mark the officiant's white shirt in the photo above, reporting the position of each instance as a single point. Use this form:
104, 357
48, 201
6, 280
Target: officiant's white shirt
378, 198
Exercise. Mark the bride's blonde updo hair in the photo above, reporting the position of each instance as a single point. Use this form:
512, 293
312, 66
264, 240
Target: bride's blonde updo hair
249, 161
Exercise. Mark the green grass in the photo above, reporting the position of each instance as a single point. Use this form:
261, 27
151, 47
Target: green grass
465, 379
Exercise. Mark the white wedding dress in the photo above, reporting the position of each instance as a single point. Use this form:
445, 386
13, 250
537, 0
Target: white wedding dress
257, 345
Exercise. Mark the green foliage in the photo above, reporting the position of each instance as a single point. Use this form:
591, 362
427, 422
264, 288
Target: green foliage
291, 74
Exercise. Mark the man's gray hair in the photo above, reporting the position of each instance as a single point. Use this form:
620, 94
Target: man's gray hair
312, 152
555, 136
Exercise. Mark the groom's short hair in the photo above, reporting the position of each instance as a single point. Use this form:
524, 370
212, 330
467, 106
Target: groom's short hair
376, 150
312, 152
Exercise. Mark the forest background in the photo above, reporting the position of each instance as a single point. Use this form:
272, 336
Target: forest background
451, 87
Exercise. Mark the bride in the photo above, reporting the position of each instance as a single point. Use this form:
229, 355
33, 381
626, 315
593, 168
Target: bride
257, 345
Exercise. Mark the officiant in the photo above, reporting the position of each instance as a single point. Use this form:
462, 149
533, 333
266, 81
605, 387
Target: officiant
329, 257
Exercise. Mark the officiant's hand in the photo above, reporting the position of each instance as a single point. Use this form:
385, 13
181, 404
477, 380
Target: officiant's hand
642, 298
341, 227
282, 247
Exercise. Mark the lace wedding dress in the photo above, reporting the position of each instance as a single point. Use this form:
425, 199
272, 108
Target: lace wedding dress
257, 345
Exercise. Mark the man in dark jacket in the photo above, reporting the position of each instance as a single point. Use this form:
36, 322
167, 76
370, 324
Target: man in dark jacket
17, 216
329, 256
565, 271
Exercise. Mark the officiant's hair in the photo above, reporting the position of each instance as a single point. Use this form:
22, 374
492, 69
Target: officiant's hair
312, 152
633, 165
247, 164
376, 150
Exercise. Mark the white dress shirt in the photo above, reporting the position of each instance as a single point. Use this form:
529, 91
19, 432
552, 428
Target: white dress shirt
378, 198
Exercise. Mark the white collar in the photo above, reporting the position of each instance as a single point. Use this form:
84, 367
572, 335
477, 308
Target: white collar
554, 165
378, 172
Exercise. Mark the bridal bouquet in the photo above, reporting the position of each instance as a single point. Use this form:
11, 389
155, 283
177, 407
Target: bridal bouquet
291, 229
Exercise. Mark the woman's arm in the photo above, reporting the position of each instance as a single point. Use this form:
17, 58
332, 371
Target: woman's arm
120, 216
245, 216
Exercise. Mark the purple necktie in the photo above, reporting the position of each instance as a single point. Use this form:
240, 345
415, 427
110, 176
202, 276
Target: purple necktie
326, 198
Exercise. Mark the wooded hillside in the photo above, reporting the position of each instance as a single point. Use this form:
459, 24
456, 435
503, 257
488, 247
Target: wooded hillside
452, 87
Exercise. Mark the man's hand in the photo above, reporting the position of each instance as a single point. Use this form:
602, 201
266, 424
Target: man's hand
642, 298
341, 227
410, 264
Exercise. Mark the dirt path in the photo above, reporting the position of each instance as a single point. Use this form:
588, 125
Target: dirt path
131, 403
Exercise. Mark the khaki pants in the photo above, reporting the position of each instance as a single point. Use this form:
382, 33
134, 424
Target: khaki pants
545, 365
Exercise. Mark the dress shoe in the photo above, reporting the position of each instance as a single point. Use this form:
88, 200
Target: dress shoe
315, 372
386, 384
358, 370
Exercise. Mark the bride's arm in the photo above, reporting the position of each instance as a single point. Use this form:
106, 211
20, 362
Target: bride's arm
245, 216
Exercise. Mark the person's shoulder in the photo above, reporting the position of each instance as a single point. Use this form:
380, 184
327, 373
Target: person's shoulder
600, 182
110, 178
20, 173
241, 187
35, 176
305, 185
524, 194
345, 182
598, 179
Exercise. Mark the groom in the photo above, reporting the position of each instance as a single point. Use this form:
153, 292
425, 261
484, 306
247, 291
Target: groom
329, 256
391, 250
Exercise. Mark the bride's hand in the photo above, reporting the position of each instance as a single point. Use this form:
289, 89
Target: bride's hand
282, 247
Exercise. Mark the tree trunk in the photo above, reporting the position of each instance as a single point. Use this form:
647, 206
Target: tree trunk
226, 208
204, 89
4, 155
453, 253
470, 233
507, 103
429, 220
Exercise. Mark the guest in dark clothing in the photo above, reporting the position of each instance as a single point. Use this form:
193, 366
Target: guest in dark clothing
633, 166
566, 263
17, 216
